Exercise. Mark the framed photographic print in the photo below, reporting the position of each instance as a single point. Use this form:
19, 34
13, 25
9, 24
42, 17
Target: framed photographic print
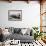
14, 15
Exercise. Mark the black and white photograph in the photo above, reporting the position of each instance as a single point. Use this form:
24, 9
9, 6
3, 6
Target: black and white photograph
14, 15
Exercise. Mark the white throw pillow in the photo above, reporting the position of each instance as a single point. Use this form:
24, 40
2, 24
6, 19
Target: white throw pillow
23, 31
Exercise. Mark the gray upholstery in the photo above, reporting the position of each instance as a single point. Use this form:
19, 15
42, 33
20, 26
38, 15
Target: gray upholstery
16, 34
17, 30
22, 38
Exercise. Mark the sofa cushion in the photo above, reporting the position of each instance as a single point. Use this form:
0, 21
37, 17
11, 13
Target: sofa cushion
23, 31
17, 30
11, 30
20, 37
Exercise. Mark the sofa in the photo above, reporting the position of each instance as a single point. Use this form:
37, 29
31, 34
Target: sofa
22, 34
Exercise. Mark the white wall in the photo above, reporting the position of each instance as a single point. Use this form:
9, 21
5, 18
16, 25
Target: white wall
30, 14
